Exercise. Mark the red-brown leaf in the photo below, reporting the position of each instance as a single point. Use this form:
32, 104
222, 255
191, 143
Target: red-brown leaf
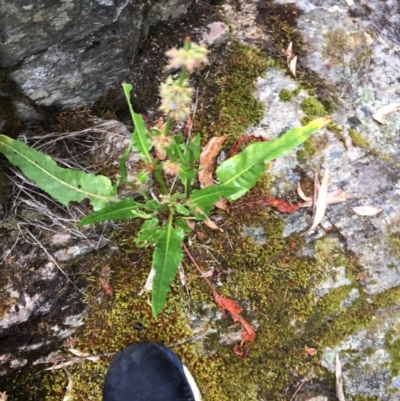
279, 204
248, 333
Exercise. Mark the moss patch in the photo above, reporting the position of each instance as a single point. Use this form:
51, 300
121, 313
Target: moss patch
227, 96
286, 95
313, 107
358, 140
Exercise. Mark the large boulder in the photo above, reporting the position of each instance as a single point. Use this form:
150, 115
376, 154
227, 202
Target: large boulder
67, 54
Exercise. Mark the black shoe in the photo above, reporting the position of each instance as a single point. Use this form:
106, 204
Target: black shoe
149, 372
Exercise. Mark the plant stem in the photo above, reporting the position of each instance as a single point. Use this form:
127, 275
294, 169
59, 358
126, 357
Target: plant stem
188, 186
167, 127
161, 182
170, 218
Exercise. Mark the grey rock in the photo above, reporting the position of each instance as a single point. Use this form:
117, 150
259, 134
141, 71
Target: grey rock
68, 54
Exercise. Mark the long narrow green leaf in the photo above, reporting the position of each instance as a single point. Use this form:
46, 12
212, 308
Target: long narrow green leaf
166, 258
139, 137
117, 211
122, 161
246, 168
63, 184
206, 197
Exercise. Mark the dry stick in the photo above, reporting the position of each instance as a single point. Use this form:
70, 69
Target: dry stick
54, 261
298, 389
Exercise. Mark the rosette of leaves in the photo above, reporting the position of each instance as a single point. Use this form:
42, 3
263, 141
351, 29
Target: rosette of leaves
165, 216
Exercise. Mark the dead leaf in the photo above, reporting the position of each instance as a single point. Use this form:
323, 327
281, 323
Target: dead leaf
212, 225
279, 204
3, 396
321, 202
69, 343
104, 277
339, 379
65, 364
191, 224
332, 197
310, 351
366, 210
70, 386
292, 65
209, 272
207, 158
149, 282
201, 235
301, 193
83, 355
380, 114
288, 52
221, 204
248, 333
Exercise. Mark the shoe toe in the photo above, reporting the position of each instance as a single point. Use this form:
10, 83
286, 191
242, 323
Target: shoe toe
146, 372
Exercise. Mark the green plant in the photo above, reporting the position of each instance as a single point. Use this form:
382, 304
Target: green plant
168, 208
286, 95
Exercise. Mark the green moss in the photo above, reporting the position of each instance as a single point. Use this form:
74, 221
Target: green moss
227, 96
392, 345
286, 95
365, 398
306, 119
313, 107
335, 128
296, 91
369, 351
336, 46
358, 140
309, 147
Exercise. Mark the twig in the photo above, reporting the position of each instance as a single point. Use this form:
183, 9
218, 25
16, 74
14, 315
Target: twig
54, 261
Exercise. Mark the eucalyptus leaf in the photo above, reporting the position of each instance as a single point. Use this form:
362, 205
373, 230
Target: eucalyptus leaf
63, 184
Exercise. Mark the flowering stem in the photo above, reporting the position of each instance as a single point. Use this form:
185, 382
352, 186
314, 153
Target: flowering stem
188, 186
167, 127
160, 180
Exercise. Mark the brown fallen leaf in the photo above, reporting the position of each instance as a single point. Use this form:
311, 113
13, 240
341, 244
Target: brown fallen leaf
288, 52
366, 210
207, 158
221, 204
381, 113
320, 202
212, 225
292, 65
310, 351
104, 277
201, 235
301, 193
